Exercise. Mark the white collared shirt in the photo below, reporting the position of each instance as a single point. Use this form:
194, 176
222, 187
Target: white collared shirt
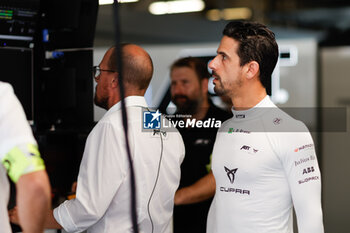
14, 131
102, 202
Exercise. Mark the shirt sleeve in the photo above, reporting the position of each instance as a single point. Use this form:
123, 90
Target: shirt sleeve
303, 174
101, 173
14, 128
18, 149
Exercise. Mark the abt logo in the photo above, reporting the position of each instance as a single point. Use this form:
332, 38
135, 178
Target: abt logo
249, 149
151, 120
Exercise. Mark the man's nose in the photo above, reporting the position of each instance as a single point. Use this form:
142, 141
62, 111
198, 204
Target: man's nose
177, 90
97, 78
212, 64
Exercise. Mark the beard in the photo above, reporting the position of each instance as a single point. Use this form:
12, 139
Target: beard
189, 106
101, 102
220, 88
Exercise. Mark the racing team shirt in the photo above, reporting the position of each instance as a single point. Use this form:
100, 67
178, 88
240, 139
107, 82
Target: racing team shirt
14, 131
264, 162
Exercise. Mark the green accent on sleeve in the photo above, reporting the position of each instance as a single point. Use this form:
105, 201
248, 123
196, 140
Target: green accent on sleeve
22, 160
208, 166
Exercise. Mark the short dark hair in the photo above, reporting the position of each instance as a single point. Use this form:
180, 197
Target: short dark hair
256, 43
199, 66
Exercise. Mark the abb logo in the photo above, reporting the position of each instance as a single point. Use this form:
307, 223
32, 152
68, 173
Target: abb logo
308, 170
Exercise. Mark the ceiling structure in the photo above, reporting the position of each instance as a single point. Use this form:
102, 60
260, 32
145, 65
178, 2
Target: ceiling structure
327, 19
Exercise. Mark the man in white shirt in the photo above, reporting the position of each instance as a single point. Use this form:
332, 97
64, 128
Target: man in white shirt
21, 160
103, 194
264, 161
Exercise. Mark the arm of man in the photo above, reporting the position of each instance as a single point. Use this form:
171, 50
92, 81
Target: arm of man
33, 200
202, 190
304, 178
21, 158
49, 222
26, 169
100, 176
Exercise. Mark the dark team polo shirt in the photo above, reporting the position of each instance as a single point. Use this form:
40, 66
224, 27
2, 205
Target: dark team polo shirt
199, 144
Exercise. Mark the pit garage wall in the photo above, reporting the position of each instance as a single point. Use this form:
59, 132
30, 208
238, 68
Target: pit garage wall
335, 92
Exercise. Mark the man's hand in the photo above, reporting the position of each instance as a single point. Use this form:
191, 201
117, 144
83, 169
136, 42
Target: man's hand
13, 215
200, 191
74, 187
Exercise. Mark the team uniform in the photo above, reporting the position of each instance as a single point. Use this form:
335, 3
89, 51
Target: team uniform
264, 162
19, 154
199, 144
102, 201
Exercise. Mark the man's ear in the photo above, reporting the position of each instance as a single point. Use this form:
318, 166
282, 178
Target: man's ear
252, 69
115, 80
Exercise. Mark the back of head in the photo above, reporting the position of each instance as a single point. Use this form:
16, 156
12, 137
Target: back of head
137, 66
198, 65
256, 43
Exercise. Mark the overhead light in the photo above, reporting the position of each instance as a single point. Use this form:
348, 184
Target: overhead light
173, 7
127, 1
229, 14
214, 15
107, 2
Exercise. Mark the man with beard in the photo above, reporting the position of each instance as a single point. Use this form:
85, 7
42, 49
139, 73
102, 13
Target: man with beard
102, 202
189, 92
264, 161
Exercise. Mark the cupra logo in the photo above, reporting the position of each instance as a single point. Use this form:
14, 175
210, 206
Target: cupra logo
231, 174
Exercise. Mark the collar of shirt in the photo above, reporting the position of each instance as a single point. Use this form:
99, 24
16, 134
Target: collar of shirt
138, 101
264, 105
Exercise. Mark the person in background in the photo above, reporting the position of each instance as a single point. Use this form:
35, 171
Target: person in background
20, 159
264, 161
189, 92
102, 202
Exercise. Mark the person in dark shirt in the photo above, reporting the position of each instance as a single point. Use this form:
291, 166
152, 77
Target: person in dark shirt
189, 92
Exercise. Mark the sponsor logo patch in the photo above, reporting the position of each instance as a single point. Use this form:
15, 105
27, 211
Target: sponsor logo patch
240, 116
308, 170
249, 149
232, 130
303, 147
304, 160
277, 121
313, 178
231, 176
